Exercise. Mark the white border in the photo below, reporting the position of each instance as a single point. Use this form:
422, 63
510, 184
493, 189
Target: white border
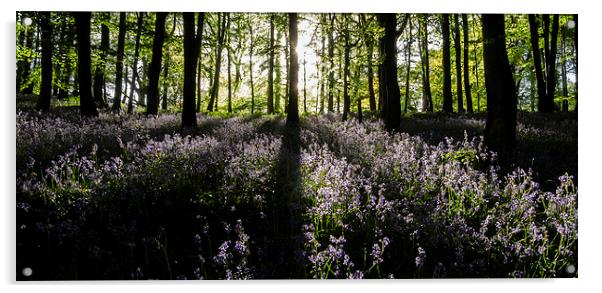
589, 142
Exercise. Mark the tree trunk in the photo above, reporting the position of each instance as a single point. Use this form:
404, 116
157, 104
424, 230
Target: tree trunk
229, 53
190, 62
551, 66
86, 101
500, 129
119, 66
155, 66
331, 69
322, 64
347, 51
251, 68
565, 90
271, 68
390, 89
408, 62
447, 92
459, 94
46, 85
292, 117
466, 68
199, 37
427, 66
278, 77
99, 74
304, 85
135, 63
221, 22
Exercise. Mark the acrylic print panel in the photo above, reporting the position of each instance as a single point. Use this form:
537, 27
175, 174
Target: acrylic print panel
173, 146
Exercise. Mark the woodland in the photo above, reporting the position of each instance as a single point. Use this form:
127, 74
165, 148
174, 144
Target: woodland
222, 145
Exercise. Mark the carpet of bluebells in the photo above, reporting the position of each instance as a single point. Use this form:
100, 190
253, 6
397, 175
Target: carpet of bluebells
134, 197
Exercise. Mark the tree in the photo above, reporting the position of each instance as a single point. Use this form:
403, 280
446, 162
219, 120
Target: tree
389, 89
551, 66
466, 68
346, 61
190, 61
447, 92
459, 94
154, 71
86, 101
219, 45
135, 63
119, 64
46, 85
331, 69
251, 47
99, 74
500, 128
292, 117
271, 68
427, 98
408, 63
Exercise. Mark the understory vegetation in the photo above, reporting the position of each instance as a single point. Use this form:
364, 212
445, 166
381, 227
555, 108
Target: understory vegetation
243, 197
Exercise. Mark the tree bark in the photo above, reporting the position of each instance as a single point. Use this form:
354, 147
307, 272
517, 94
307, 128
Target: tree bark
292, 117
46, 85
500, 129
119, 64
447, 92
218, 61
99, 75
466, 68
154, 71
459, 94
389, 89
551, 66
135, 63
271, 68
408, 62
190, 62
86, 101
346, 61
331, 69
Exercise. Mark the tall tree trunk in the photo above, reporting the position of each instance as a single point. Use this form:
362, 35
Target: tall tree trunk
346, 61
288, 67
408, 63
155, 66
356, 78
165, 84
135, 63
565, 89
459, 94
388, 79
86, 101
331, 69
221, 22
199, 38
292, 117
143, 84
119, 64
99, 74
500, 129
190, 62
229, 53
278, 76
447, 92
551, 66
46, 85
466, 68
427, 65
322, 64
251, 68
271, 68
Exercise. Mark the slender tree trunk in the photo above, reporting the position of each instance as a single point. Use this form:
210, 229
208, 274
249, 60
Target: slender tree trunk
292, 117
500, 129
119, 64
346, 61
390, 89
84, 64
551, 66
155, 66
476, 74
251, 68
46, 85
331, 69
466, 68
287, 58
218, 61
408, 63
99, 75
190, 62
565, 90
278, 76
447, 92
459, 94
229, 53
356, 78
271, 68
427, 66
135, 63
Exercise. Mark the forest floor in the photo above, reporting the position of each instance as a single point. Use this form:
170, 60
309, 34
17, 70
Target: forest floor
243, 196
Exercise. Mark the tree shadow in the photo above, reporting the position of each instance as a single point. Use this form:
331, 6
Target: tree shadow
284, 242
